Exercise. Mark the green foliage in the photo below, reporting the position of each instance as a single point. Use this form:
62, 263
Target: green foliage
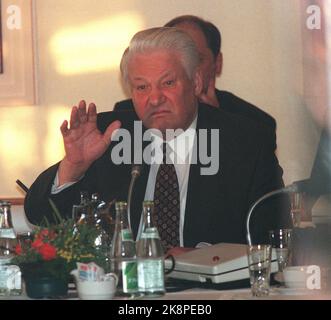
55, 249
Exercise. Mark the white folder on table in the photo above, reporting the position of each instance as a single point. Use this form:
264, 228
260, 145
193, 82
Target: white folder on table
223, 262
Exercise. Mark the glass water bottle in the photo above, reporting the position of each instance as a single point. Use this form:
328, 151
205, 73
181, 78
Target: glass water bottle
10, 275
97, 219
123, 253
8, 239
79, 211
90, 215
150, 256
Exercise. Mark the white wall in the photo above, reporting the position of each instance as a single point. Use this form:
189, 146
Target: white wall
262, 49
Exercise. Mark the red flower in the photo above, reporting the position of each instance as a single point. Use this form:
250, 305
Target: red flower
37, 243
43, 233
47, 251
18, 249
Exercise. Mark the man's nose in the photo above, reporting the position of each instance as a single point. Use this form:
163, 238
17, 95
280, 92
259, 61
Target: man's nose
156, 97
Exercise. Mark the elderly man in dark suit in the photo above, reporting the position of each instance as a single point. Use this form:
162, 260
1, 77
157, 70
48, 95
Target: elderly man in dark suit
160, 68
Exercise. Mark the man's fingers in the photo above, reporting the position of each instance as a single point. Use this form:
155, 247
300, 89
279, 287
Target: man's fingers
79, 116
64, 128
82, 104
111, 128
82, 112
74, 120
92, 113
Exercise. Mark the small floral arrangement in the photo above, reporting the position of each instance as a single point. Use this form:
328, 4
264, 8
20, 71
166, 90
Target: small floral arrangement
54, 250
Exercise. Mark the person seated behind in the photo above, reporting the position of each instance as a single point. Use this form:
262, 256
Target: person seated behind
319, 182
208, 40
160, 67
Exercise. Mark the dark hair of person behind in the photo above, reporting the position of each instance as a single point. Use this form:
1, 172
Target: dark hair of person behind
212, 34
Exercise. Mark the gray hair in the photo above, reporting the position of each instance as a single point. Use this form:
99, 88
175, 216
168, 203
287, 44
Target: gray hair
168, 38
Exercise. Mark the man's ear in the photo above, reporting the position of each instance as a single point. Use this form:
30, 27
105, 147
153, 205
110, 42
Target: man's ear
219, 64
197, 82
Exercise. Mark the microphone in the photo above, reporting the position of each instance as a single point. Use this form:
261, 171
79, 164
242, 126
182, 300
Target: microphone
292, 188
135, 173
136, 170
22, 185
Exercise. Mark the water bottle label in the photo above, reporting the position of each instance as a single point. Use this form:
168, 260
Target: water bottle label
10, 279
150, 275
150, 233
7, 233
129, 276
14, 280
126, 235
3, 278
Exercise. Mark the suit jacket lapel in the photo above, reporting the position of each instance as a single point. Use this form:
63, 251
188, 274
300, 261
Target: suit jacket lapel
194, 185
198, 185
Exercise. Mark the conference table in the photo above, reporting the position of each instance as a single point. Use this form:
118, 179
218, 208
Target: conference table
197, 293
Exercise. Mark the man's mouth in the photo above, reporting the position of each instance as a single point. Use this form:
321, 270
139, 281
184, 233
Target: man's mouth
160, 113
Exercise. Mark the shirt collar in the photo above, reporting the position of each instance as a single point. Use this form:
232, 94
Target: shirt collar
181, 145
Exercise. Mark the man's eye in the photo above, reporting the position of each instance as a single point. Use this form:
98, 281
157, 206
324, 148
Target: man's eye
169, 83
141, 87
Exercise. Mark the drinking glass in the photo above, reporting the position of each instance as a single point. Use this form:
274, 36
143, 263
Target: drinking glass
281, 240
259, 264
24, 239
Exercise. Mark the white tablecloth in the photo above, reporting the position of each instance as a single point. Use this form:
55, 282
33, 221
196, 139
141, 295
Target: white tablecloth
205, 294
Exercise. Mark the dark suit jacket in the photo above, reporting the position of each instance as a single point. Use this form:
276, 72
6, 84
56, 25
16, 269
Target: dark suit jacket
216, 206
320, 178
229, 103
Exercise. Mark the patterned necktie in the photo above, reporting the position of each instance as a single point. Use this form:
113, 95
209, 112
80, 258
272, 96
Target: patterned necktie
166, 203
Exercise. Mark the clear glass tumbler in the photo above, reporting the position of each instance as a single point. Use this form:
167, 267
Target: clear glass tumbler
281, 241
259, 265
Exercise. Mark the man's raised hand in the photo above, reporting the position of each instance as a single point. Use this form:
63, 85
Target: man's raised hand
83, 142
